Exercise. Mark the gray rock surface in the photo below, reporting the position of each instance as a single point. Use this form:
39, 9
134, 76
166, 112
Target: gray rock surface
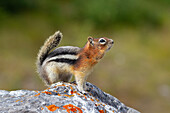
61, 98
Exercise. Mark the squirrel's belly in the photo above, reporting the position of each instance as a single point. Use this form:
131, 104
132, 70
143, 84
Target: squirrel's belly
57, 67
58, 71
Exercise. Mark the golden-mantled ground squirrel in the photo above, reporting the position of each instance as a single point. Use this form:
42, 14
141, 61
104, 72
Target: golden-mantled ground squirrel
63, 62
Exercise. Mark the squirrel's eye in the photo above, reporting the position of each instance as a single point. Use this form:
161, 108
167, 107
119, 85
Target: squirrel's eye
102, 41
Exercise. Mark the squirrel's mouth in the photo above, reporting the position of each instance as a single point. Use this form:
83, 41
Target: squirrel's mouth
110, 45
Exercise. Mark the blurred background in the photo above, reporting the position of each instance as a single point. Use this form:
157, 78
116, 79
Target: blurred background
136, 70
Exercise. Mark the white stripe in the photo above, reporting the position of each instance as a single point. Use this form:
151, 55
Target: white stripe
72, 57
70, 47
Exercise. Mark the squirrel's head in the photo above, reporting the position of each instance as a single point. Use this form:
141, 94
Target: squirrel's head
102, 44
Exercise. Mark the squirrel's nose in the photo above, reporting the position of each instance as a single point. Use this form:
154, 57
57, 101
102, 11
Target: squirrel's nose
112, 42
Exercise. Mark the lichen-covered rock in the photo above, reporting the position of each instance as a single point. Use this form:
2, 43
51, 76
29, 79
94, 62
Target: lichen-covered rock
61, 98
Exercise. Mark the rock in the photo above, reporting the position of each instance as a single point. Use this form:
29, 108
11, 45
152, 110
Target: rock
61, 98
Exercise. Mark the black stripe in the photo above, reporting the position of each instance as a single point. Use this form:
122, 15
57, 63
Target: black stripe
52, 54
62, 53
64, 60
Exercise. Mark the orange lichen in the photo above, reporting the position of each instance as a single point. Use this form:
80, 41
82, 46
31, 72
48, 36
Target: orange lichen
42, 108
72, 108
92, 99
113, 111
16, 100
71, 91
49, 93
101, 111
59, 94
68, 95
37, 94
78, 93
97, 100
98, 104
71, 87
52, 107
55, 91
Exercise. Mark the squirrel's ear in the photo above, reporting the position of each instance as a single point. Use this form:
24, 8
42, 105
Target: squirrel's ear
90, 39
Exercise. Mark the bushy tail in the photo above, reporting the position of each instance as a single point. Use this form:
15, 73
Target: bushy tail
49, 44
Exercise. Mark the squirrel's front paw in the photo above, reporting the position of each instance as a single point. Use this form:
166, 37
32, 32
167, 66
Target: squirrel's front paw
87, 88
83, 92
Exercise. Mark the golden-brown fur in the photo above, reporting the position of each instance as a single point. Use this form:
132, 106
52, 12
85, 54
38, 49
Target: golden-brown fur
66, 61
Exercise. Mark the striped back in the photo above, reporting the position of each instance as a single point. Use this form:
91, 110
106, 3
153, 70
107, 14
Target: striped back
65, 54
